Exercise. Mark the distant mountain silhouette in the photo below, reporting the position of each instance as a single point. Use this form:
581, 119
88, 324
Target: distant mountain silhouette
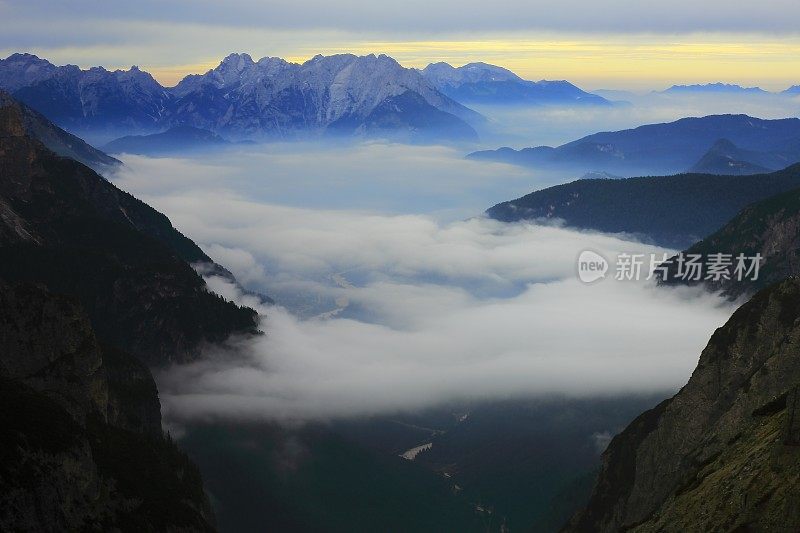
481, 83
726, 158
715, 88
663, 148
174, 140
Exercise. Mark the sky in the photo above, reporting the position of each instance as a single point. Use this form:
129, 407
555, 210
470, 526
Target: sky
598, 44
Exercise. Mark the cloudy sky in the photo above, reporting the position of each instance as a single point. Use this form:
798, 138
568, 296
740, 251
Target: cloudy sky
612, 43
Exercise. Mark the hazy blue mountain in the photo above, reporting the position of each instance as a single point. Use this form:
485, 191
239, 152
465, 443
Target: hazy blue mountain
86, 100
243, 99
793, 90
336, 94
672, 211
662, 148
174, 140
481, 83
726, 158
714, 88
59, 141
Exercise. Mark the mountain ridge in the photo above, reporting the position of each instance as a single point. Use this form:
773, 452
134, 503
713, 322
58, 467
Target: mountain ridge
717, 87
674, 211
769, 228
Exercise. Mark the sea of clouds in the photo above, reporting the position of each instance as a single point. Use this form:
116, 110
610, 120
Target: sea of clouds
391, 298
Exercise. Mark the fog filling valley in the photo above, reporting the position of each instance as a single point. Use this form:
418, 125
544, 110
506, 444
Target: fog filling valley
383, 310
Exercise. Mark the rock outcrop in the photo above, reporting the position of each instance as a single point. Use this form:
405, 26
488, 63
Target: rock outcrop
724, 453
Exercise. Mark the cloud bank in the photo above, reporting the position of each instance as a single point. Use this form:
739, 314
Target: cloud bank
385, 311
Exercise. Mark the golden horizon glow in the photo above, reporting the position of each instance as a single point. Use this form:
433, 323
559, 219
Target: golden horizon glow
638, 62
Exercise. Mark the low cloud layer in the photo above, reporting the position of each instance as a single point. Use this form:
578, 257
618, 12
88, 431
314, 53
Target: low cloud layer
383, 312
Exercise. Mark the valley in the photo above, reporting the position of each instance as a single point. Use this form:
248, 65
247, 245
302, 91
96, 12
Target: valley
340, 288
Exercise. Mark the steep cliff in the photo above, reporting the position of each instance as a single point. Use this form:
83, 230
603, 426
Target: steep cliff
724, 453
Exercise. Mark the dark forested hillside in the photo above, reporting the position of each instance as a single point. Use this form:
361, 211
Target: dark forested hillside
672, 211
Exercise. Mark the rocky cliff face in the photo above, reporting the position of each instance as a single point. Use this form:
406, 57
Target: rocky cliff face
81, 444
724, 453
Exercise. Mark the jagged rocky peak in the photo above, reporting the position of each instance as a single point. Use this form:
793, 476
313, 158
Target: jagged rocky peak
236, 63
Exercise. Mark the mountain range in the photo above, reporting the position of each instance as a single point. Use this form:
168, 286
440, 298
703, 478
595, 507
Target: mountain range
673, 211
245, 99
481, 83
668, 148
